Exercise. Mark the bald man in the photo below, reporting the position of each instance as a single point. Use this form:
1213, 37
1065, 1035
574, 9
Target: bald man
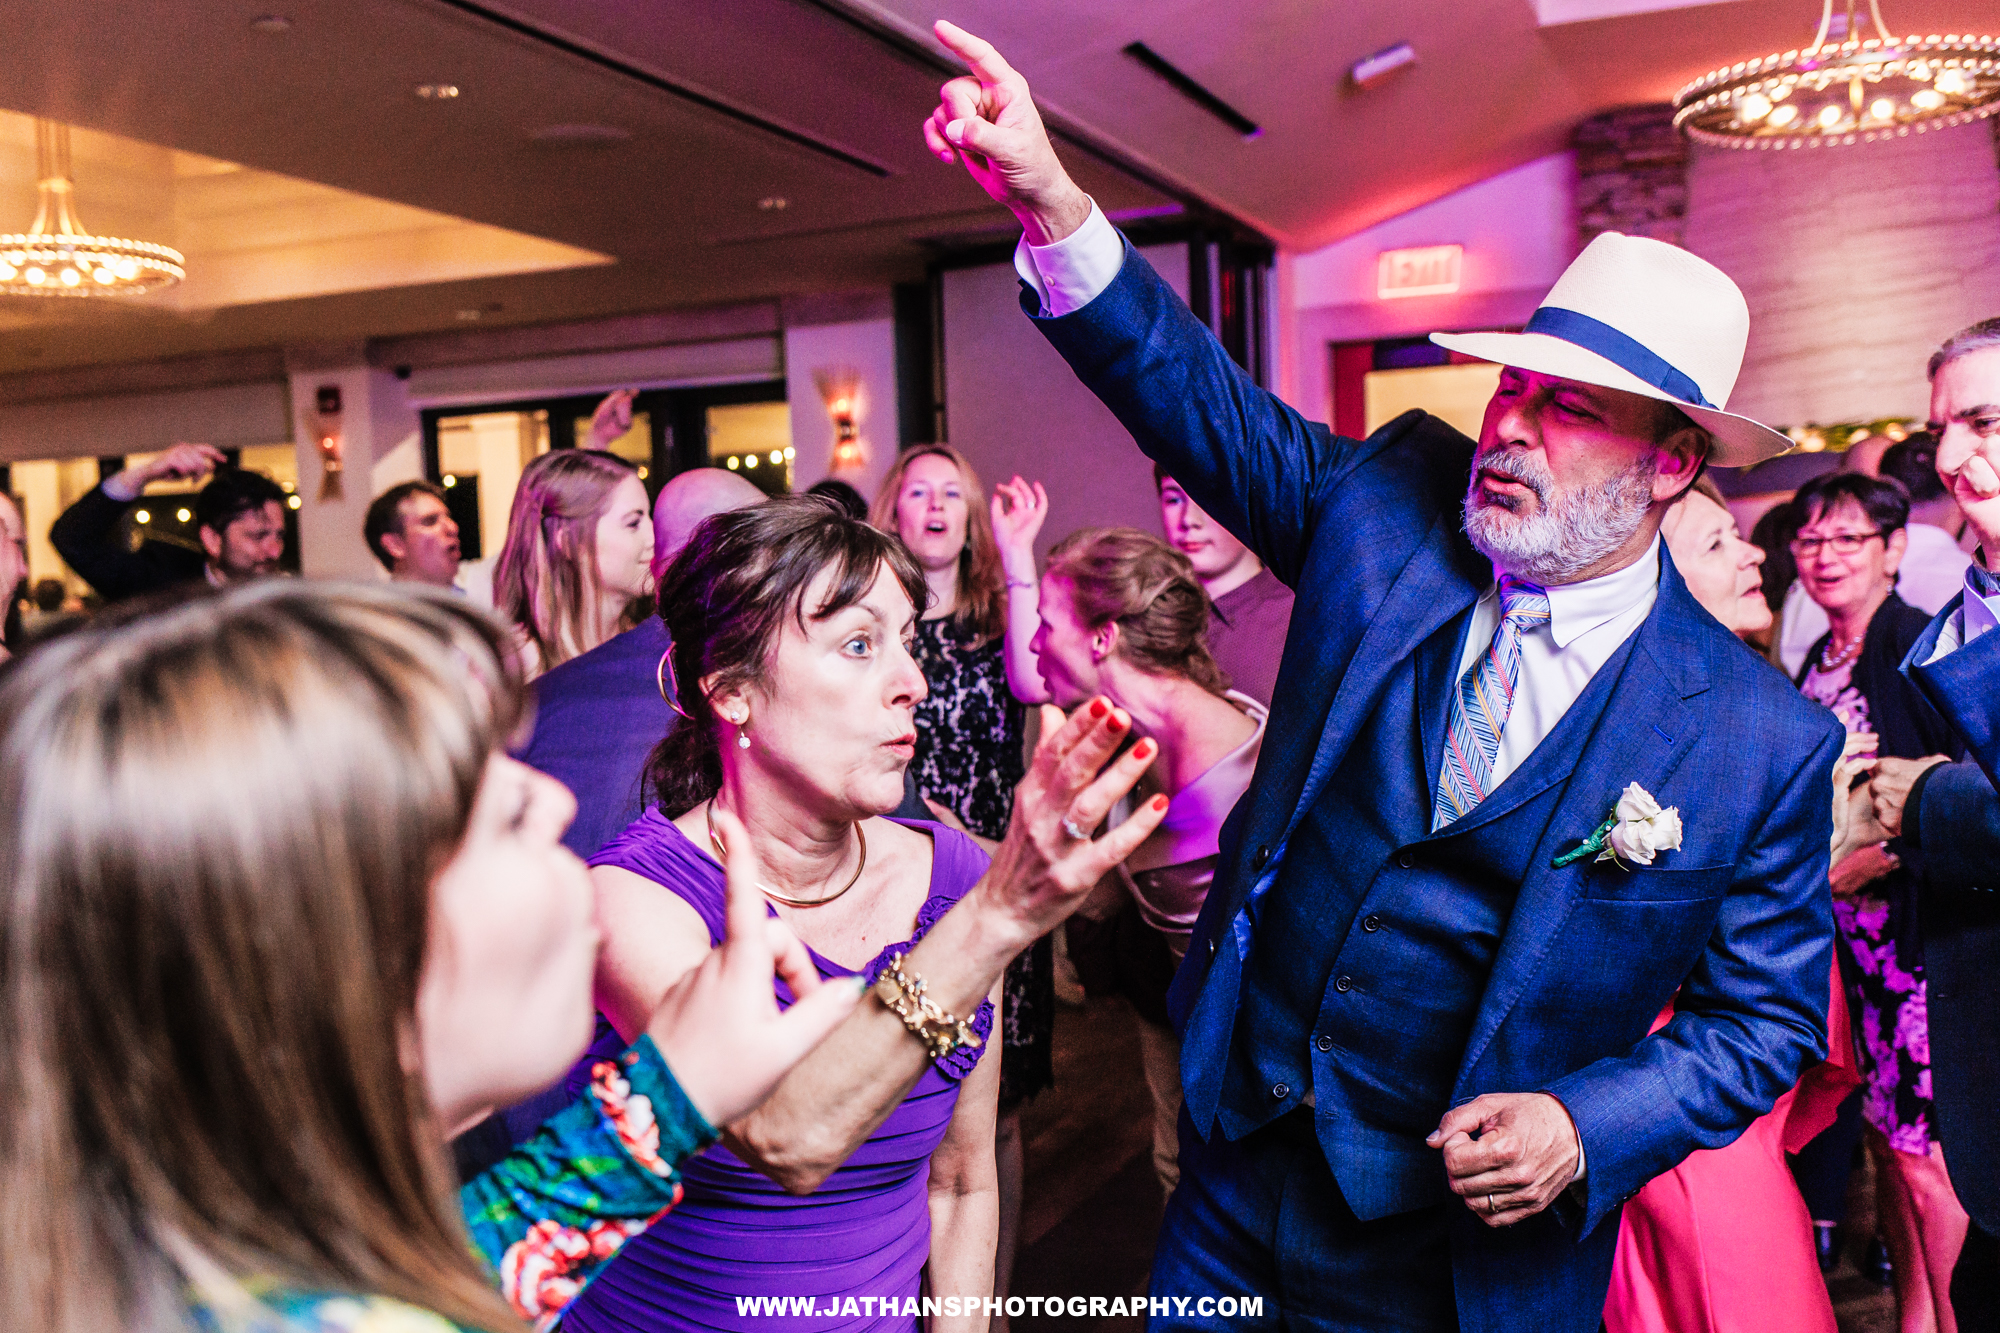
688, 499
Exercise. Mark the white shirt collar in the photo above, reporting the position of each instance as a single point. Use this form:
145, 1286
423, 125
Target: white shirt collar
1575, 609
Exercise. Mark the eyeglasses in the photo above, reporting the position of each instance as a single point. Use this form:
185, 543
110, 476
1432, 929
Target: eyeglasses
1845, 543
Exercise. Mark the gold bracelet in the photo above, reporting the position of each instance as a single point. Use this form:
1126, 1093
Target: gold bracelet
902, 994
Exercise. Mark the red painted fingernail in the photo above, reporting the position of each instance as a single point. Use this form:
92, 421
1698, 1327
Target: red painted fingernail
1160, 803
1143, 750
1098, 708
1117, 722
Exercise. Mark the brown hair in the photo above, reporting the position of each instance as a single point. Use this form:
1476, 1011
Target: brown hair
385, 515
220, 823
1150, 590
982, 585
547, 580
724, 600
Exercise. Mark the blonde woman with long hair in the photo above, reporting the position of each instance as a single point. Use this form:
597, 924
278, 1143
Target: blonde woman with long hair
576, 568
970, 731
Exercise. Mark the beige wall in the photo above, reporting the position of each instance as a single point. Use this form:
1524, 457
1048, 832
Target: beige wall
1014, 406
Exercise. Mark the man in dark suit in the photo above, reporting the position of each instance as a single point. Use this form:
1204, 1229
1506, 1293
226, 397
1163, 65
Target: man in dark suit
1951, 812
1419, 972
239, 520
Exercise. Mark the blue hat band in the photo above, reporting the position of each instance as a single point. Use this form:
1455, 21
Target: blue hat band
1620, 349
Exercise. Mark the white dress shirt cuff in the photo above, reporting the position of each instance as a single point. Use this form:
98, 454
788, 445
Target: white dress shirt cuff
1069, 274
1979, 613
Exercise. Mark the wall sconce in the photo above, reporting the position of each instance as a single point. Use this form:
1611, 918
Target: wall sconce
326, 432
840, 389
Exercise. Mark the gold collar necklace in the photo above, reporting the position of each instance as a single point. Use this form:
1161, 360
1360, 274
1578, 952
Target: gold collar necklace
722, 855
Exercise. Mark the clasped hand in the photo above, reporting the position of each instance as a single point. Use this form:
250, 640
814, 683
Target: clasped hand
1526, 1154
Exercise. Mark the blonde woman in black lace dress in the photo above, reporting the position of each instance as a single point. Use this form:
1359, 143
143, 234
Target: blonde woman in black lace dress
970, 740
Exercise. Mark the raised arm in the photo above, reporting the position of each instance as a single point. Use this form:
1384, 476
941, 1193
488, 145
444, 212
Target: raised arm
86, 534
1019, 510
1250, 460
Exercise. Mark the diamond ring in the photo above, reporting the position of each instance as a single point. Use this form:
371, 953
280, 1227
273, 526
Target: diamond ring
1069, 827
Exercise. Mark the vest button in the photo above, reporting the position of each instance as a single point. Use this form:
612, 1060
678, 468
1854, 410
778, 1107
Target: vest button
1257, 861
1281, 1090
1343, 984
1371, 923
1324, 1043
1406, 858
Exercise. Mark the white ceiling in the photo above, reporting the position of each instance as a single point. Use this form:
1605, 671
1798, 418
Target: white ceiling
696, 111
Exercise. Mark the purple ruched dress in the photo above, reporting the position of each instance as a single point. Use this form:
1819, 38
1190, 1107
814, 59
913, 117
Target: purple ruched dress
866, 1232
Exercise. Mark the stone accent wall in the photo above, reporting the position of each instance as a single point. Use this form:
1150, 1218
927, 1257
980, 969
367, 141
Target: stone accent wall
1631, 169
1857, 261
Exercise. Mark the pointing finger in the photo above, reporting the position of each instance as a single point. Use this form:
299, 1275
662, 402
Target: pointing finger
976, 52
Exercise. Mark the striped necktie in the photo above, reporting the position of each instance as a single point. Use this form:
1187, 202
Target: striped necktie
1485, 697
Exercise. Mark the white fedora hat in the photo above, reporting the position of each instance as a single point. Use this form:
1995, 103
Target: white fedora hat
1648, 318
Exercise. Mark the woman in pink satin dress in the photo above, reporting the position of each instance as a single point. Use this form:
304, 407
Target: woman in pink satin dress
1723, 1243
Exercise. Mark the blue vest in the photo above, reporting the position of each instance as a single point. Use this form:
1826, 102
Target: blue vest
1375, 943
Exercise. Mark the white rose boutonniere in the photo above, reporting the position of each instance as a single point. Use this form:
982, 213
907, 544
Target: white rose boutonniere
1637, 831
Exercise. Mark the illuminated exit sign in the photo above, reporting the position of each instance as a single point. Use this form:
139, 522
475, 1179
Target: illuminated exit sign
1429, 270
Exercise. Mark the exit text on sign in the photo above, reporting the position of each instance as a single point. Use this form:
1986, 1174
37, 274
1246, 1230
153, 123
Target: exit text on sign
1429, 270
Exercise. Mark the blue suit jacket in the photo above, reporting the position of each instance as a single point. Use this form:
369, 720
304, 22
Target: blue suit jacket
1957, 826
1367, 532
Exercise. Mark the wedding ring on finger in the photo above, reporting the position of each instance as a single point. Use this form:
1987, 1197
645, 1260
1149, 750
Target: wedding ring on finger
1069, 827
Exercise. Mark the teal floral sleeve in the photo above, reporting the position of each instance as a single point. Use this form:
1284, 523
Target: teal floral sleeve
546, 1217
554, 1211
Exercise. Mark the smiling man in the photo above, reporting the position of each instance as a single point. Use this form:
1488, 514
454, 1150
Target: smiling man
1418, 1070
1951, 813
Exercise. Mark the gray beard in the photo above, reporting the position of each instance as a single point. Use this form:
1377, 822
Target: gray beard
1571, 529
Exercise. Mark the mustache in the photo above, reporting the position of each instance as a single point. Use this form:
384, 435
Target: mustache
1516, 467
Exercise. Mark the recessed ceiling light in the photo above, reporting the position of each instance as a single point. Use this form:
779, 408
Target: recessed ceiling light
773, 203
469, 315
437, 92
272, 23
1371, 71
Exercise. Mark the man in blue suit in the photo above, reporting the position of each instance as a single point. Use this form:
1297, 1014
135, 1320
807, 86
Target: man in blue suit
1420, 972
1952, 813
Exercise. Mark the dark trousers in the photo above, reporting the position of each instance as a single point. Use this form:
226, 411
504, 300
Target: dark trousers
1975, 1283
1823, 1166
1264, 1218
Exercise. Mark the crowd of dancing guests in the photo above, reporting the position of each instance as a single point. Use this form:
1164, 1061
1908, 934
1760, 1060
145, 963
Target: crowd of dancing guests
279, 1048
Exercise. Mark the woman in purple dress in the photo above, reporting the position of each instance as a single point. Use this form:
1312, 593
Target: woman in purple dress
867, 1181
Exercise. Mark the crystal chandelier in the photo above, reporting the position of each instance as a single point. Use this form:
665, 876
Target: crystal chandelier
56, 257
1851, 91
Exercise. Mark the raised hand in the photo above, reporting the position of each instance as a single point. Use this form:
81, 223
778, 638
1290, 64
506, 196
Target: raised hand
719, 1026
1526, 1154
183, 462
612, 418
987, 121
1048, 863
1019, 510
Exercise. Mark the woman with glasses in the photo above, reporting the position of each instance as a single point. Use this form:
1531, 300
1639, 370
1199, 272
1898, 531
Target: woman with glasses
1848, 547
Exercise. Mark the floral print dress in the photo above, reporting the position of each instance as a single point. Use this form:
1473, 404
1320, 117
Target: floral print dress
970, 733
1884, 970
545, 1218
